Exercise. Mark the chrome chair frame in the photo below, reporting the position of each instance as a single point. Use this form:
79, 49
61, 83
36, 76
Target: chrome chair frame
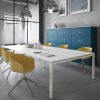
24, 78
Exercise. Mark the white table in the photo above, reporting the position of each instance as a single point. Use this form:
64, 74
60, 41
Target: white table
61, 55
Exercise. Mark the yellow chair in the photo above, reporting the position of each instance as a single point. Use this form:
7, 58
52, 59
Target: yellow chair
6, 54
64, 46
22, 64
1, 55
0, 52
86, 49
47, 44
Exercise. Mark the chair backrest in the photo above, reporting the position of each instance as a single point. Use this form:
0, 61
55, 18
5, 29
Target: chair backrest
63, 46
21, 63
6, 54
1, 52
87, 49
47, 44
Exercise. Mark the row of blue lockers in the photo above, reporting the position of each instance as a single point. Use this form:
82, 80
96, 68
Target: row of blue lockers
75, 37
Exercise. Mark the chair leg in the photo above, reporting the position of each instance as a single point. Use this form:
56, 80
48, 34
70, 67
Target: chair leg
32, 81
1, 61
83, 65
5, 70
8, 74
15, 86
28, 86
26, 80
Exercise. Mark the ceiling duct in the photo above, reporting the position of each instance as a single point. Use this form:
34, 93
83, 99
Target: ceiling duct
22, 2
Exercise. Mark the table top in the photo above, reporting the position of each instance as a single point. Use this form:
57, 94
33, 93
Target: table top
50, 54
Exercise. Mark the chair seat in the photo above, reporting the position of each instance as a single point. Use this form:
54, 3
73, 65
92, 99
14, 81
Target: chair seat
21, 63
64, 46
47, 44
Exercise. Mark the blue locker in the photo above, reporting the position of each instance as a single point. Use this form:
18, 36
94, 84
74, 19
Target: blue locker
76, 42
76, 32
60, 36
67, 37
68, 41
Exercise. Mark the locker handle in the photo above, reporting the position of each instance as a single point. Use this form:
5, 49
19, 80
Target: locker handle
81, 33
78, 40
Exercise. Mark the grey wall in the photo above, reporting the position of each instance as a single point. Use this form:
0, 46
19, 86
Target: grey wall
85, 19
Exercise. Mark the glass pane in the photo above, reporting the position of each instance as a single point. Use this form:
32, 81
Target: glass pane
5, 8
20, 32
77, 5
1, 31
33, 32
20, 24
6, 26
62, 7
34, 9
6, 32
19, 7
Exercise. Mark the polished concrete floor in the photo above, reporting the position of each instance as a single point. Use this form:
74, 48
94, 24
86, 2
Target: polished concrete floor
70, 83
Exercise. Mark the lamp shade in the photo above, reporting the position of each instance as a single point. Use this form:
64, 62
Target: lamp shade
26, 12
50, 6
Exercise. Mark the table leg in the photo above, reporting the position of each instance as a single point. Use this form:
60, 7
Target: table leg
93, 66
43, 64
50, 81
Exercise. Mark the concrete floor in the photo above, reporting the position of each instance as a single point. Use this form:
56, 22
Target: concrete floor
70, 83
